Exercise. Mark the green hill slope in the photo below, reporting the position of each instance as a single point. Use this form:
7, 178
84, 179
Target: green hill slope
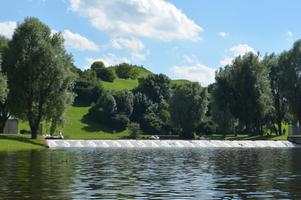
122, 84
128, 84
78, 127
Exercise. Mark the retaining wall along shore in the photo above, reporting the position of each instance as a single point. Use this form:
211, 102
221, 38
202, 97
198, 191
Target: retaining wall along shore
170, 144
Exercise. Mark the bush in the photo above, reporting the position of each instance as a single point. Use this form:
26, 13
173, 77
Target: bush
119, 122
126, 71
125, 102
86, 93
152, 123
106, 74
102, 72
134, 129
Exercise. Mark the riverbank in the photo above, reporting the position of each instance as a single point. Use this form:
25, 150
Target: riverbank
9, 142
169, 144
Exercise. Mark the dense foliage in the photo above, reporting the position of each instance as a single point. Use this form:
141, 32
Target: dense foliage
188, 106
103, 72
126, 71
40, 70
252, 95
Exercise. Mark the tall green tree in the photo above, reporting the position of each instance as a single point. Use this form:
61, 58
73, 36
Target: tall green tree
156, 87
5, 112
3, 85
125, 102
290, 62
188, 106
221, 98
251, 98
41, 74
276, 76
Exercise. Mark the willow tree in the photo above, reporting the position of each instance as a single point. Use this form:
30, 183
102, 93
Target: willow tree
3, 84
41, 77
290, 63
4, 95
188, 105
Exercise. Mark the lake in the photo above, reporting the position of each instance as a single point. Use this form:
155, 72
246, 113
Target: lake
171, 173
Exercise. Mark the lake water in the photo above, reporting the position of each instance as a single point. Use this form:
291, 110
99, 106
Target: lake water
151, 174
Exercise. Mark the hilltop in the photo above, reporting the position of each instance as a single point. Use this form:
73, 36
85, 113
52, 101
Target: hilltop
121, 84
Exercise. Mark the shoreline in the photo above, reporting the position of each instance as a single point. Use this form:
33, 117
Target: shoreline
132, 143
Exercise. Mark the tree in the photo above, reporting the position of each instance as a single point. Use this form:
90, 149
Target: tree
140, 107
251, 100
125, 102
221, 97
188, 105
102, 72
276, 76
290, 62
41, 74
4, 90
154, 91
3, 84
105, 112
126, 71
134, 129
87, 88
156, 87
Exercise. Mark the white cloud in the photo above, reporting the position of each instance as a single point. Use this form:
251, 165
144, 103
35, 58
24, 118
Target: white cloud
194, 71
123, 43
7, 28
290, 34
78, 42
241, 49
226, 61
238, 50
108, 59
72, 40
152, 18
135, 46
223, 34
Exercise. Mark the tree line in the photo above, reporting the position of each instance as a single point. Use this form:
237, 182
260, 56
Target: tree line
252, 95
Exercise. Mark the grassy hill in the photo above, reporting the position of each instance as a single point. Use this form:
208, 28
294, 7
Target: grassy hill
77, 126
122, 84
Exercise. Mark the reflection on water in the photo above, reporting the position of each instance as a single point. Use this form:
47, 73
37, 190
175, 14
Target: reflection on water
151, 174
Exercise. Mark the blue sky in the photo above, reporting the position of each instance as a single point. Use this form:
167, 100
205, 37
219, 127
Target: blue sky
186, 39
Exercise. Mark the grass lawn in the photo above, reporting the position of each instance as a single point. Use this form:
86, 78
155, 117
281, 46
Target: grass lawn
179, 82
11, 142
77, 127
245, 137
120, 84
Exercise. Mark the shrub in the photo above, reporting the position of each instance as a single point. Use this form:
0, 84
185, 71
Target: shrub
119, 122
134, 129
102, 72
126, 71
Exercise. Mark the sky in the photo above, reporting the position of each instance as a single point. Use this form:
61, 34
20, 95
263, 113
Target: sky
184, 39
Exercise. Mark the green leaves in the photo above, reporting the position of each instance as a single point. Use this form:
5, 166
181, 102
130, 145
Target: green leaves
41, 74
188, 106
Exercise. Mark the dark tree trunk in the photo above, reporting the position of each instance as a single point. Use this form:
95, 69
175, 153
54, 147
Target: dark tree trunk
3, 121
34, 132
34, 128
4, 116
279, 124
